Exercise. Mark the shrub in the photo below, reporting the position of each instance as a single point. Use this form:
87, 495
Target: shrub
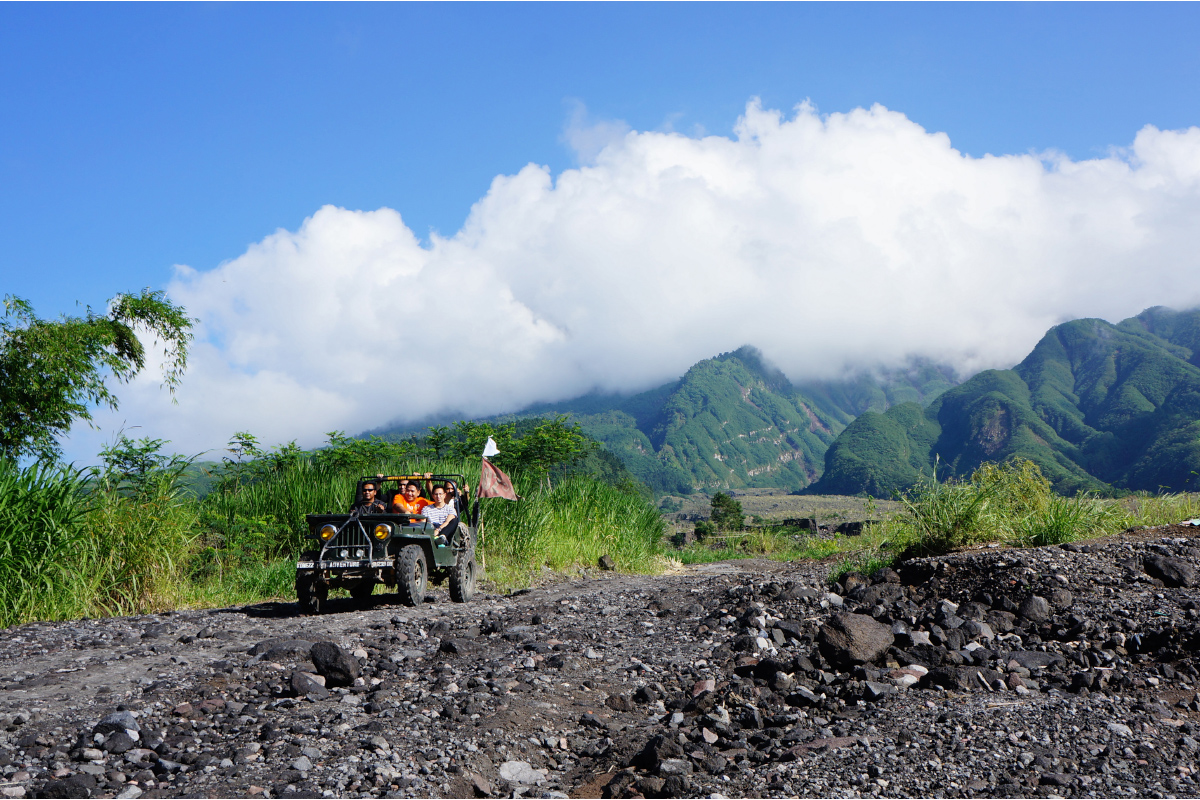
727, 513
939, 517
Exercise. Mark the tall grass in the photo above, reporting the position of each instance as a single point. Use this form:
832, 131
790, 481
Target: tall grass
143, 544
569, 526
1011, 503
44, 560
73, 546
1144, 508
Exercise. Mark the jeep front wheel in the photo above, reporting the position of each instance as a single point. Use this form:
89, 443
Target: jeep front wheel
412, 575
310, 594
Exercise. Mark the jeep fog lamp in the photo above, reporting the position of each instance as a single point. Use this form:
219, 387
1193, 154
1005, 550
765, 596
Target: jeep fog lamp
327, 532
382, 531
359, 553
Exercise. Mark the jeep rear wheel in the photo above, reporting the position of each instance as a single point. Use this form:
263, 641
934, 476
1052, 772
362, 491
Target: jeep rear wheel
462, 577
412, 575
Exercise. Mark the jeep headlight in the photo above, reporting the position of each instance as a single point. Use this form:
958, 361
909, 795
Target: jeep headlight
327, 532
382, 531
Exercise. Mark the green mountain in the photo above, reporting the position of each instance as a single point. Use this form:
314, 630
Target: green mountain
1095, 405
734, 421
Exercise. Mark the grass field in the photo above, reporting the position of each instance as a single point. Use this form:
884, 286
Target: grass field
73, 546
1011, 504
776, 505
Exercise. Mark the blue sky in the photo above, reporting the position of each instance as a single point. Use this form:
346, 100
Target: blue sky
139, 136
681, 202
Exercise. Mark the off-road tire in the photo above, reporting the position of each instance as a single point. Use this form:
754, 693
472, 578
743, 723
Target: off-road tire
309, 593
412, 575
462, 577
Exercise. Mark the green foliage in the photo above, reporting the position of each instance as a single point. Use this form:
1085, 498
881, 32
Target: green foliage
880, 453
727, 513
140, 467
1012, 502
944, 516
41, 574
774, 543
1065, 519
669, 504
704, 528
52, 372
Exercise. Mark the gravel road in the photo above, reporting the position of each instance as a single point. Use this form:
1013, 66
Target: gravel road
994, 672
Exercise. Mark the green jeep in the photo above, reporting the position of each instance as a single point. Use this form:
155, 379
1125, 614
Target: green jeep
360, 549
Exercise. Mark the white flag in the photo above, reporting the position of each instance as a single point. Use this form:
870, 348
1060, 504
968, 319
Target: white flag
490, 448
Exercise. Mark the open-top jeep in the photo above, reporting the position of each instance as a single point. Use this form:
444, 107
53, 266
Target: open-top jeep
361, 549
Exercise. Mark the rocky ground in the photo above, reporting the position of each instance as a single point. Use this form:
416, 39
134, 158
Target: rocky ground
1057, 671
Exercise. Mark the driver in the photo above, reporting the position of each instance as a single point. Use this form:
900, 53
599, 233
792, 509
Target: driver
410, 502
370, 502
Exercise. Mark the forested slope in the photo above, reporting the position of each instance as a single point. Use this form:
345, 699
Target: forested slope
1095, 405
734, 421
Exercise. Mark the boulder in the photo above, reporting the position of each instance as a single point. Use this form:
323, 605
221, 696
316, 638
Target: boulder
1034, 609
1061, 599
459, 647
1171, 571
963, 679
849, 639
887, 592
303, 685
338, 667
520, 772
119, 721
660, 748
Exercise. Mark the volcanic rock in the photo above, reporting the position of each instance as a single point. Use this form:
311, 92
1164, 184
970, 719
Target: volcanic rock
333, 663
848, 639
1171, 571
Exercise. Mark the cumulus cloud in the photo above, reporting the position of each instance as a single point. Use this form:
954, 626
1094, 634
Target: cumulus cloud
831, 242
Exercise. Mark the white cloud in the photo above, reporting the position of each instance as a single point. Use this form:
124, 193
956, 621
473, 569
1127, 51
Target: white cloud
852, 239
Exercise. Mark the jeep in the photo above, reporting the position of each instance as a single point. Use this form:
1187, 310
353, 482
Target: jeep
359, 550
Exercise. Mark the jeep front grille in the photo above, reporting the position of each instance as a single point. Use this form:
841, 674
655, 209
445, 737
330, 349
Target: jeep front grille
351, 544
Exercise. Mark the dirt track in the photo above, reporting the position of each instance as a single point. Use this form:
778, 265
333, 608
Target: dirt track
719, 680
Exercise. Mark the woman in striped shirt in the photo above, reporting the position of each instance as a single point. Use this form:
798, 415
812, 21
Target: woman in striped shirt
443, 517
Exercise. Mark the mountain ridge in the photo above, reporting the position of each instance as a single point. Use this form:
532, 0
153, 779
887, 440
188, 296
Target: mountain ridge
735, 421
1097, 406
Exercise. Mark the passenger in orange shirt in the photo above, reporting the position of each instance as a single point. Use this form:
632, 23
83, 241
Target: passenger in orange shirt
410, 502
